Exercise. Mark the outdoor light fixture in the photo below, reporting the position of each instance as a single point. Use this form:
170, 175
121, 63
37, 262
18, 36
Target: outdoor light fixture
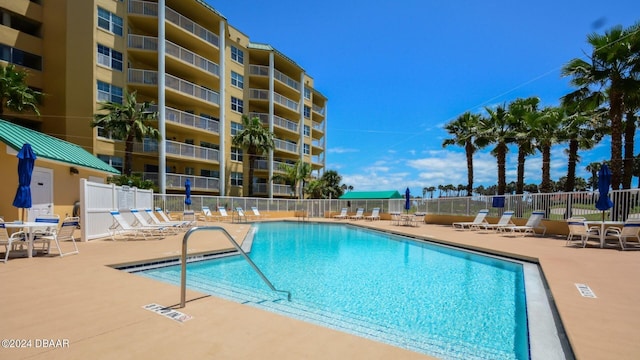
73, 171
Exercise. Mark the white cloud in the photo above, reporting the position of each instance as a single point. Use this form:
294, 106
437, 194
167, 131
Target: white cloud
341, 150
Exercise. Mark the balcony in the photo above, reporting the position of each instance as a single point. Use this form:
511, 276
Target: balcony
318, 159
260, 94
179, 149
150, 77
278, 189
286, 80
318, 144
151, 9
277, 121
264, 165
286, 146
318, 126
318, 109
176, 181
188, 119
259, 70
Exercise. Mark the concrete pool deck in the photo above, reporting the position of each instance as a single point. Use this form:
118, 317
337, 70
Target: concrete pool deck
91, 310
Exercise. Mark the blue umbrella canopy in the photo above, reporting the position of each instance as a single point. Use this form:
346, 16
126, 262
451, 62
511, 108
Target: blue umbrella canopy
407, 200
26, 161
187, 192
604, 182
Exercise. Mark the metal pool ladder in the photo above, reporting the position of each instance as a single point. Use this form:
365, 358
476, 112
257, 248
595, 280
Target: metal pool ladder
183, 258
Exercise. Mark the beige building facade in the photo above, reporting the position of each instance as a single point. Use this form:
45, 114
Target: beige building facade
201, 72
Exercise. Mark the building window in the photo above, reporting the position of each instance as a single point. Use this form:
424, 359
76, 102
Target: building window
236, 179
108, 92
236, 154
115, 161
306, 149
237, 54
19, 57
237, 80
237, 105
109, 21
307, 93
307, 112
236, 128
307, 131
109, 57
210, 173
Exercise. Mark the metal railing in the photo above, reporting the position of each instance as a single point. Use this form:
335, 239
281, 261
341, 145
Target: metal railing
183, 258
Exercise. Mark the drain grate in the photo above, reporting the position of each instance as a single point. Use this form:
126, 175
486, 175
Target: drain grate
168, 312
586, 291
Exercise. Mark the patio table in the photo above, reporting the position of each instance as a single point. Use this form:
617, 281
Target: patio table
29, 228
603, 227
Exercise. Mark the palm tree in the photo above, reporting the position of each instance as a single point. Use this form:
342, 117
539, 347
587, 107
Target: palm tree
294, 175
464, 132
15, 95
593, 168
256, 140
332, 181
612, 68
545, 136
497, 128
128, 122
524, 113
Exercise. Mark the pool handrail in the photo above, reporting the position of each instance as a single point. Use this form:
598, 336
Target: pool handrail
183, 259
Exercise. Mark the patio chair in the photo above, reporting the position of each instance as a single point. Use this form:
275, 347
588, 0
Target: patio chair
223, 214
241, 215
142, 221
123, 228
396, 218
68, 227
375, 215
342, 215
467, 225
154, 220
630, 230
534, 222
256, 212
505, 221
189, 217
358, 215
578, 227
9, 241
206, 214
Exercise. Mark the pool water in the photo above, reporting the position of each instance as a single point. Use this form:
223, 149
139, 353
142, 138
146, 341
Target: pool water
424, 297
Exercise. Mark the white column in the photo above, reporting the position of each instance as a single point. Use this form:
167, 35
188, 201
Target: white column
223, 107
162, 155
324, 142
301, 129
271, 111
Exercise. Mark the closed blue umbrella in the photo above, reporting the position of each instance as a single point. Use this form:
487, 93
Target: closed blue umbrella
407, 200
604, 182
187, 192
26, 161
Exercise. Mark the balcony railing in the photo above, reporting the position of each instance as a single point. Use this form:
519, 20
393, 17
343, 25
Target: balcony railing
150, 77
318, 159
192, 58
318, 143
178, 149
142, 42
318, 126
188, 119
264, 165
278, 189
151, 9
259, 70
286, 80
260, 94
285, 145
277, 121
176, 181
317, 109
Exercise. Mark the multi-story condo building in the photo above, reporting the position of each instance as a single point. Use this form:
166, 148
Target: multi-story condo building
202, 73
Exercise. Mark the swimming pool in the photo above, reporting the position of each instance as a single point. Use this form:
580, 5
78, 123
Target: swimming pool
424, 297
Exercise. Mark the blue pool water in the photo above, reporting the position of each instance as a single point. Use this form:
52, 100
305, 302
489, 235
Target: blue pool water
424, 297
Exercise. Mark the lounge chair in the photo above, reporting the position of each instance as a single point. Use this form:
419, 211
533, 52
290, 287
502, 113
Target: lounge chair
9, 241
68, 227
578, 227
630, 230
189, 216
223, 214
342, 215
467, 225
375, 215
123, 228
534, 222
154, 220
241, 217
505, 221
206, 214
256, 212
358, 215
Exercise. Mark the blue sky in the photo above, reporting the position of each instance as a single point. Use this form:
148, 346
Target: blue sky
396, 71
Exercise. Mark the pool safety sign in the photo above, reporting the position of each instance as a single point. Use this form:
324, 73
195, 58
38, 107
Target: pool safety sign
585, 291
168, 312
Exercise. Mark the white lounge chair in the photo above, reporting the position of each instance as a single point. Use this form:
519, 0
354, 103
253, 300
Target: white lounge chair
375, 215
467, 225
142, 221
504, 221
534, 222
630, 230
223, 214
123, 228
68, 227
206, 214
342, 215
154, 220
358, 215
578, 227
189, 217
256, 212
240, 215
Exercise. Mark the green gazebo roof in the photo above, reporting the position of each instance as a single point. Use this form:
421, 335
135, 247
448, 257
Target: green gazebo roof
389, 194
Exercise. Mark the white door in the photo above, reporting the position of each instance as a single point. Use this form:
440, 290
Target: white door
41, 193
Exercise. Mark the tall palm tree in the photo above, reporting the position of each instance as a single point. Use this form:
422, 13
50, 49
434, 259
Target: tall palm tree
294, 175
613, 61
497, 128
632, 105
524, 113
15, 95
129, 122
593, 168
464, 132
256, 140
545, 136
332, 182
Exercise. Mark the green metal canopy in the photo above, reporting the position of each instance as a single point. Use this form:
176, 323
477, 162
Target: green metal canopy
51, 148
357, 195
